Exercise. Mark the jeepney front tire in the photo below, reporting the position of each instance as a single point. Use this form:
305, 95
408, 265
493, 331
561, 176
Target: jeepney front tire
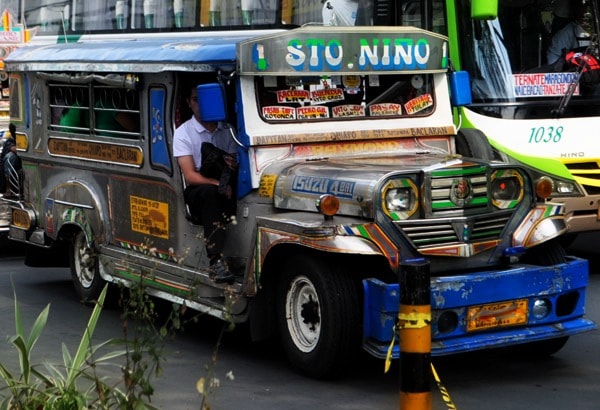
85, 269
548, 253
317, 316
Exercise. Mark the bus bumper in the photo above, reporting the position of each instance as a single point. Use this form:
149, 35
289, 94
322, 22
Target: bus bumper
560, 289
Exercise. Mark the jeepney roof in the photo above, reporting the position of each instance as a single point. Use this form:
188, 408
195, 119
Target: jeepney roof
133, 55
316, 50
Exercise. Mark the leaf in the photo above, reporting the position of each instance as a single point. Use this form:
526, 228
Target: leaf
82, 351
38, 327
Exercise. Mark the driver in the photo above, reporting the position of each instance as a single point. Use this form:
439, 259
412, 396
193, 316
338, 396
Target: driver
568, 37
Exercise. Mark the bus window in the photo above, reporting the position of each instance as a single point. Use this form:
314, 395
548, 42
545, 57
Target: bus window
411, 15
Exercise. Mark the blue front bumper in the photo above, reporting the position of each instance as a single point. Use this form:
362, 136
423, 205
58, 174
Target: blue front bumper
562, 285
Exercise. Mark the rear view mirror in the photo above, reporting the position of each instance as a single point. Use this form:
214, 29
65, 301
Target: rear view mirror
484, 9
460, 88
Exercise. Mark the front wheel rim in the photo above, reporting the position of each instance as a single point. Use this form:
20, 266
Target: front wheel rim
303, 314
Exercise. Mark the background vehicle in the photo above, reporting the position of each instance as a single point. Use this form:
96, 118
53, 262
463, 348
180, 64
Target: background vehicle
523, 103
348, 170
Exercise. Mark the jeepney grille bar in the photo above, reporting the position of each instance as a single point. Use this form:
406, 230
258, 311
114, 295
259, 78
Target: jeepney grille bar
488, 227
447, 193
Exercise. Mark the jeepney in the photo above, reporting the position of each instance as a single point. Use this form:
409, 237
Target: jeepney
348, 169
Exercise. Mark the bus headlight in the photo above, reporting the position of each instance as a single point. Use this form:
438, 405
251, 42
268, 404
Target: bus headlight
507, 188
400, 199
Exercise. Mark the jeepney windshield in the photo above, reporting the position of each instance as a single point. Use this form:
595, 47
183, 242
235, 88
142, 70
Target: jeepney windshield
520, 64
330, 98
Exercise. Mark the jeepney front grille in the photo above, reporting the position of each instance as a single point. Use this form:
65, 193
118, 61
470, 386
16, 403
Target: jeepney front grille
434, 233
459, 190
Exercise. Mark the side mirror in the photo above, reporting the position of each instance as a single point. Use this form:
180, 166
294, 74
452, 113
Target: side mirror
484, 9
460, 89
211, 102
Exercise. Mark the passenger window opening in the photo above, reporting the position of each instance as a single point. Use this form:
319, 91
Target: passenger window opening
94, 109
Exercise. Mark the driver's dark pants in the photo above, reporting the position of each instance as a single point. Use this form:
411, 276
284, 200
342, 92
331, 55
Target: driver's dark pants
211, 210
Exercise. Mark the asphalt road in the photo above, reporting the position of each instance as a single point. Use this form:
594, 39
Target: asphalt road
255, 376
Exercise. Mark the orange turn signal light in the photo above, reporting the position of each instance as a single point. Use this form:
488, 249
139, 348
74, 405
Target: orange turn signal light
544, 187
328, 204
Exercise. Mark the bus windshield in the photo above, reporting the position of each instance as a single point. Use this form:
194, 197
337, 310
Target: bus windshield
528, 61
61, 17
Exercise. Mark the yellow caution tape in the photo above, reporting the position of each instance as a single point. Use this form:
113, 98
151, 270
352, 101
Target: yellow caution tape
445, 395
388, 356
414, 320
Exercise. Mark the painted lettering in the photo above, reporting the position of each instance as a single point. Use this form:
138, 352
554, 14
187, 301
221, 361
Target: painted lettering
315, 54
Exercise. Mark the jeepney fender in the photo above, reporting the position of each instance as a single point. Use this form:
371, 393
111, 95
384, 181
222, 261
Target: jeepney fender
314, 234
542, 223
302, 230
75, 203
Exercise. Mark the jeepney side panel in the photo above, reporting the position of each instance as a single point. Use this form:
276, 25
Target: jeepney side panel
133, 185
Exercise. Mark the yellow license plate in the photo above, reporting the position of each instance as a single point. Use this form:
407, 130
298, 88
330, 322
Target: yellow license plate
20, 219
493, 315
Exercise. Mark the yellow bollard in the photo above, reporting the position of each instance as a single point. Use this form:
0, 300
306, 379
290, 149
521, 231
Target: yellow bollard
414, 323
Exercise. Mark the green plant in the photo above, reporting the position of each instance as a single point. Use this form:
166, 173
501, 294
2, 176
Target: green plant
62, 386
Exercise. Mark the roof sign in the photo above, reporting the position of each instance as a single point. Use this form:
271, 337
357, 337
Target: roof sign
344, 50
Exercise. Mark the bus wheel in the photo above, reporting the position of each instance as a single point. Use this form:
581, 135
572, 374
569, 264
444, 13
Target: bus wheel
317, 311
85, 269
474, 144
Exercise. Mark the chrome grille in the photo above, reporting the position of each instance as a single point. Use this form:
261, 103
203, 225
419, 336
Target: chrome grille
434, 233
448, 189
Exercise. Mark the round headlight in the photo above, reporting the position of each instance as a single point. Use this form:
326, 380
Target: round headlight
507, 188
400, 199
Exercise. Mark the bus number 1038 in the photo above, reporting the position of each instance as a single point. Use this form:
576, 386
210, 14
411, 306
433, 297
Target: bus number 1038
545, 134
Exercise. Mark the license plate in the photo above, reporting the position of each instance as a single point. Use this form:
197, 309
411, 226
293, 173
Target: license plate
20, 219
16, 234
493, 315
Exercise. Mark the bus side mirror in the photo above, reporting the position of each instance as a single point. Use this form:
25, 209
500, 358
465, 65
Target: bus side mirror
211, 102
484, 9
460, 89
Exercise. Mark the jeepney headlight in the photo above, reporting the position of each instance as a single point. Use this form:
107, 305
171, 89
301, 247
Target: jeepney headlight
400, 199
507, 188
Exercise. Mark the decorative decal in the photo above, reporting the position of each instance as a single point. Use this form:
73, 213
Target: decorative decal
279, 113
544, 84
96, 151
315, 185
267, 186
149, 217
349, 110
418, 104
49, 215
326, 95
384, 109
311, 113
293, 96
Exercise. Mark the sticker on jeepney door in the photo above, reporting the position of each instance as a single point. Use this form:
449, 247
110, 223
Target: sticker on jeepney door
149, 217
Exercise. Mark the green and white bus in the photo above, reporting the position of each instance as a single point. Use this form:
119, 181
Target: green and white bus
534, 109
